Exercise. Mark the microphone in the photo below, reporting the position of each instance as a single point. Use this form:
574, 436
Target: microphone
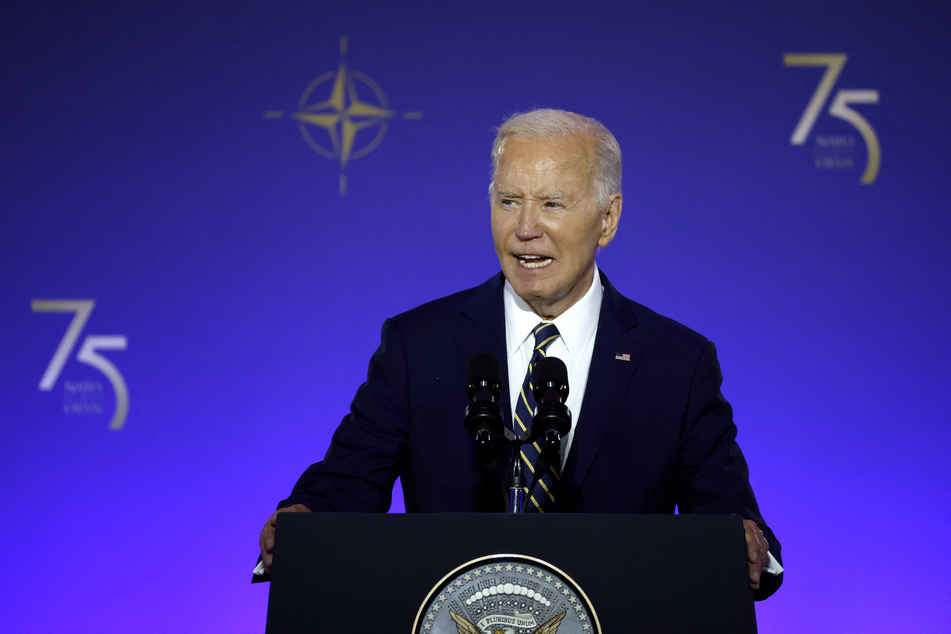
552, 419
483, 381
483, 415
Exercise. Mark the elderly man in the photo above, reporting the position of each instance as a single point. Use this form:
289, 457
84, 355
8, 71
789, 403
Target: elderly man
651, 431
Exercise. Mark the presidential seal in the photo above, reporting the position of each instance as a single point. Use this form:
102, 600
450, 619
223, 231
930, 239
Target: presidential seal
506, 594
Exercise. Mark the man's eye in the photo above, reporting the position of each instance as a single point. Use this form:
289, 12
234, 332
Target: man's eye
552, 205
506, 202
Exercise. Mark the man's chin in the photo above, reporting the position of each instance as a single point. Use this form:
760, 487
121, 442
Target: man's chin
538, 299
530, 290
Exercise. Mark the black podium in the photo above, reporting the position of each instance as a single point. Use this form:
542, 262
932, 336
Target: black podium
405, 573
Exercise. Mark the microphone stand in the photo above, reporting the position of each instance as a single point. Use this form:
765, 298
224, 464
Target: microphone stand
516, 478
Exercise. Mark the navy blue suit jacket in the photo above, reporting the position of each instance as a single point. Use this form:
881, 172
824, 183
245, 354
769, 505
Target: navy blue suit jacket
655, 432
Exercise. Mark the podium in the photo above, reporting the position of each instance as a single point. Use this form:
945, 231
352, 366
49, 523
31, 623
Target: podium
407, 573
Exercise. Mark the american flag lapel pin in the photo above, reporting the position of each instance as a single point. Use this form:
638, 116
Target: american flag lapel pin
622, 356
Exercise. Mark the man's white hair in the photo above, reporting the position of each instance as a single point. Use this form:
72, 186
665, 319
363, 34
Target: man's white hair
546, 123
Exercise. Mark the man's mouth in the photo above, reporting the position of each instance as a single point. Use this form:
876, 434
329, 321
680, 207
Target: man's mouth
533, 261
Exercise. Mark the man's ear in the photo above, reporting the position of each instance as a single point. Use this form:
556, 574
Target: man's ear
610, 218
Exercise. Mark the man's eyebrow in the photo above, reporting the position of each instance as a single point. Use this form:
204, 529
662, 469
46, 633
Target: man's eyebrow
553, 196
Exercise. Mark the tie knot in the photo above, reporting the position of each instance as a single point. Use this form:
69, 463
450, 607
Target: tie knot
545, 333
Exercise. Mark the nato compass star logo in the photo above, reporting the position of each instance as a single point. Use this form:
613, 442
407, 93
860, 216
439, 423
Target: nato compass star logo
343, 115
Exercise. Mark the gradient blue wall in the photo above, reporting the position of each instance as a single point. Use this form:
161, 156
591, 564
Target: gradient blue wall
150, 161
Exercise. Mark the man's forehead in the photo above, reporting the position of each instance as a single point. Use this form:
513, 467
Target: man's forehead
572, 151
576, 146
545, 166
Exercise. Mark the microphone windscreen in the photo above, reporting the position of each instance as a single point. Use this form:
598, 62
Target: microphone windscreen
483, 366
550, 372
483, 370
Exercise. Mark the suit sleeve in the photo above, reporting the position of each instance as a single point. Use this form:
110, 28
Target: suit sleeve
713, 476
368, 449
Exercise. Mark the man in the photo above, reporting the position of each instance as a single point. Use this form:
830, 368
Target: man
651, 430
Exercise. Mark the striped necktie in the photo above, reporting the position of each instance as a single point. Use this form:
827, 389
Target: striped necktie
545, 333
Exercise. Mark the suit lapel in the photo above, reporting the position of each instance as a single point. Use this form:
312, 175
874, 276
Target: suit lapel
608, 381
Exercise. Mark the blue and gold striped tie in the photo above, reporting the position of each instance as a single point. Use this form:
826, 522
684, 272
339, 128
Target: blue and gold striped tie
545, 333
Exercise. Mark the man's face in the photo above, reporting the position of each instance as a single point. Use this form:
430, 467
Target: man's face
546, 222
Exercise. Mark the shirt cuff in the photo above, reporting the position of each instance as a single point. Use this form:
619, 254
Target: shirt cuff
772, 566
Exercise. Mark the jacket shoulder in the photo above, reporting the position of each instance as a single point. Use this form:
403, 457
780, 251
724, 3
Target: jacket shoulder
654, 327
471, 301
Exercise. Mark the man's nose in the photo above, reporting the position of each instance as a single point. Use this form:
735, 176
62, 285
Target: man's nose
528, 217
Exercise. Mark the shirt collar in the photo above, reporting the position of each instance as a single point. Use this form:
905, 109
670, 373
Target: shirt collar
576, 325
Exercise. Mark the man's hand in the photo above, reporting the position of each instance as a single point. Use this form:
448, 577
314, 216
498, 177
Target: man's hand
267, 535
756, 549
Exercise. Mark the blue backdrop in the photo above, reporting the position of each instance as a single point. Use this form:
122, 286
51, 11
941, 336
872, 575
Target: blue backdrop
226, 199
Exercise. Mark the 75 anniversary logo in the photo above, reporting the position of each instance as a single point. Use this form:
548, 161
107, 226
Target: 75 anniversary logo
88, 351
840, 108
